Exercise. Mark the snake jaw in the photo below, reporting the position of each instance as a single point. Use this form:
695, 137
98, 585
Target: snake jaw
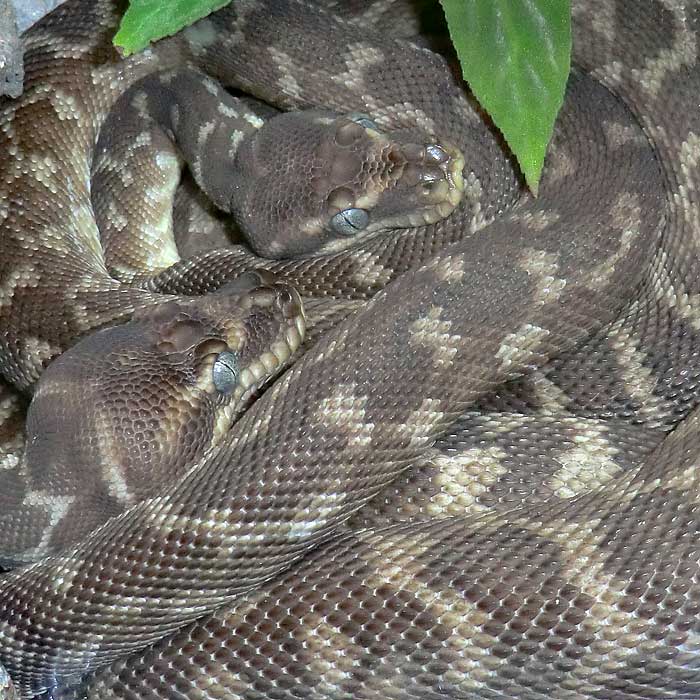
268, 363
275, 354
426, 178
262, 370
436, 174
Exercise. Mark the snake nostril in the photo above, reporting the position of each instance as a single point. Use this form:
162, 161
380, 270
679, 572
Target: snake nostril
436, 153
284, 296
429, 175
288, 302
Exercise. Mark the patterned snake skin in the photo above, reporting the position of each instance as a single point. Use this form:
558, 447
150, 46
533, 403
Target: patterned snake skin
514, 407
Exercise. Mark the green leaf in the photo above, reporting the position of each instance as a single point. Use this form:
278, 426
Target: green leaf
516, 56
148, 20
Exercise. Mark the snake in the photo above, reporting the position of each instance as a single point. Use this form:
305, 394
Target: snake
363, 530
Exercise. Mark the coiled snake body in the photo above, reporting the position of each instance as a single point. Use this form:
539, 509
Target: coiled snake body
522, 381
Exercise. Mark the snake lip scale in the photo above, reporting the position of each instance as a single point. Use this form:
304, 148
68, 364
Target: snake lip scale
280, 351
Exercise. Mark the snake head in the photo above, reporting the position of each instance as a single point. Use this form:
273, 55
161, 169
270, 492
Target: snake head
131, 407
309, 183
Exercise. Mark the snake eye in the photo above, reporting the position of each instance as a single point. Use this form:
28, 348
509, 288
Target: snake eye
363, 120
225, 372
349, 221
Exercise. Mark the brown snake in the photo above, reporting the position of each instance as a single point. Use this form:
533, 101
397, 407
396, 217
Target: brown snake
243, 569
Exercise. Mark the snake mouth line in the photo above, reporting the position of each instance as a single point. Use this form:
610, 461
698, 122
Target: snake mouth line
446, 193
272, 360
436, 173
261, 371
